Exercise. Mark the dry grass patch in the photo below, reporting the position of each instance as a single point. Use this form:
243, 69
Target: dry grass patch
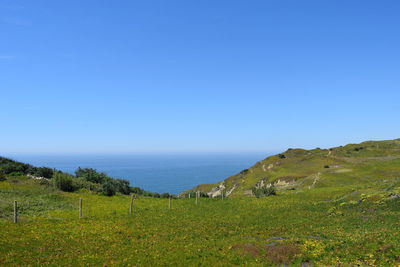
280, 254
277, 254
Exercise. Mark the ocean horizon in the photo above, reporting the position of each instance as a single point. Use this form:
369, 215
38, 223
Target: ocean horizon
172, 173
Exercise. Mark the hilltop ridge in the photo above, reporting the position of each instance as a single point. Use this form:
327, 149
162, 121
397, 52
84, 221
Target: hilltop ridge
305, 169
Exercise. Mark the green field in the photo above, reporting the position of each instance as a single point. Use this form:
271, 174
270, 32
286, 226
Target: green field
346, 225
332, 207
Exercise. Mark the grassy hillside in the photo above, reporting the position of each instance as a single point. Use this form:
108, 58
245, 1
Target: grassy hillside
371, 161
332, 207
345, 225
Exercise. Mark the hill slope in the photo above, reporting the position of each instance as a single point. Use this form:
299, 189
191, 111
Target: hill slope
367, 162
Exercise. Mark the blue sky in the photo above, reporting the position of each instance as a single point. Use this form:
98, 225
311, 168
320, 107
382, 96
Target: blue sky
197, 76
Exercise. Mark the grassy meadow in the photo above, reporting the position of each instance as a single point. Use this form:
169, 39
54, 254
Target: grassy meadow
346, 225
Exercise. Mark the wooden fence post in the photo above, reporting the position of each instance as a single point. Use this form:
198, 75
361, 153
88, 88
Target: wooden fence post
222, 194
15, 211
197, 197
80, 208
169, 204
130, 210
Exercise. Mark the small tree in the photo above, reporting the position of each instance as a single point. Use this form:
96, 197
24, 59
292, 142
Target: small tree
109, 188
264, 191
44, 172
165, 195
64, 182
123, 186
137, 190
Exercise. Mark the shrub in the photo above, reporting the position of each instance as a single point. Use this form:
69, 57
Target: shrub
82, 183
2, 177
264, 191
64, 182
123, 186
326, 166
44, 172
14, 167
91, 175
165, 195
137, 190
15, 174
148, 194
281, 156
244, 171
109, 188
203, 194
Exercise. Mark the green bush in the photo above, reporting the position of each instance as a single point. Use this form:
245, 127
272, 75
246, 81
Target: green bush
2, 177
203, 194
165, 195
264, 191
148, 194
123, 186
64, 182
44, 172
137, 190
15, 174
109, 188
82, 183
91, 175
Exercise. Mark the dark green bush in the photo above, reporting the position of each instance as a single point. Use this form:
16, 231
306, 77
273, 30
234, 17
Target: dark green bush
264, 191
203, 194
109, 188
15, 174
123, 186
44, 172
2, 177
64, 182
148, 194
137, 190
82, 183
165, 195
244, 171
91, 175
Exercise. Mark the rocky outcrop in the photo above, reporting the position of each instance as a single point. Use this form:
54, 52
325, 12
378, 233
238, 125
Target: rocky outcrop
217, 191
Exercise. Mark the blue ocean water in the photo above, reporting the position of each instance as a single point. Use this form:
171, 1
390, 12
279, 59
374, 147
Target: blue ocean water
157, 173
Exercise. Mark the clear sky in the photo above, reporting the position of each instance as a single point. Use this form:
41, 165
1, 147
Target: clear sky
197, 76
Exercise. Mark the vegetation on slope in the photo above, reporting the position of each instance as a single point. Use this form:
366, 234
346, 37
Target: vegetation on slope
326, 207
299, 168
84, 179
348, 225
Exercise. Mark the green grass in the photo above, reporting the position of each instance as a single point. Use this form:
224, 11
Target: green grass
352, 164
347, 214
354, 224
34, 199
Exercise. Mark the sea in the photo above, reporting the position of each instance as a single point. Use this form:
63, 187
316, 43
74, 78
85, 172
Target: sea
172, 173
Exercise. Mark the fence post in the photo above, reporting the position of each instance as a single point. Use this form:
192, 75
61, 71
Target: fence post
197, 197
130, 210
169, 204
80, 208
222, 194
15, 211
